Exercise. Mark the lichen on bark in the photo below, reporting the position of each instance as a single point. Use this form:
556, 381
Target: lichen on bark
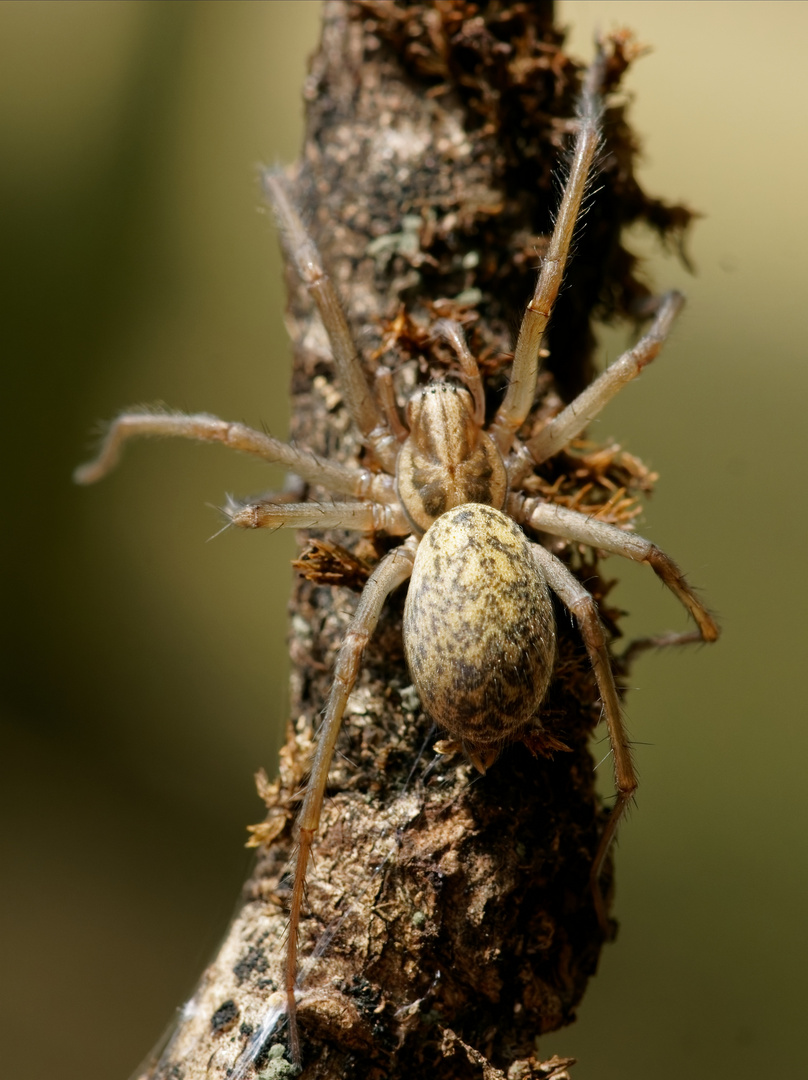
449, 920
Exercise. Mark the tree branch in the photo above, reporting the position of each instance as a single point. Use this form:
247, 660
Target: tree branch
449, 918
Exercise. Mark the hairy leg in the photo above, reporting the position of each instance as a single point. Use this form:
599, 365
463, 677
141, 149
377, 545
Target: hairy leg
365, 517
522, 387
577, 415
394, 569
557, 520
203, 427
583, 607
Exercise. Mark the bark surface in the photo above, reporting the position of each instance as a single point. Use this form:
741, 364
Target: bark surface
449, 920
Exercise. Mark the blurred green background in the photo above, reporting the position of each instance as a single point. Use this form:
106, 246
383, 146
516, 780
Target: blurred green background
143, 669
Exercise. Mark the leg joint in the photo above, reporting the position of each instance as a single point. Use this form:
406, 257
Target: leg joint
585, 611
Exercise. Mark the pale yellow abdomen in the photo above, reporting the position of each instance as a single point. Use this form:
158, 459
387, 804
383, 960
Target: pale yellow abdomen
479, 631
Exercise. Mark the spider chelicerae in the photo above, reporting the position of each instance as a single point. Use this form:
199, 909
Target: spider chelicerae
479, 632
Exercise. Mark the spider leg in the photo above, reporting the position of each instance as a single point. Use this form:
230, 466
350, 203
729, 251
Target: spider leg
393, 569
201, 426
657, 641
301, 250
572, 420
522, 388
557, 520
368, 517
572, 593
387, 399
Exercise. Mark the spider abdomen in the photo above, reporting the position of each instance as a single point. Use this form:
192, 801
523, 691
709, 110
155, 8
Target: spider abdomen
479, 631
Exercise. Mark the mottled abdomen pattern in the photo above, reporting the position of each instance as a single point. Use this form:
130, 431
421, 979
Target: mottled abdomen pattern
478, 626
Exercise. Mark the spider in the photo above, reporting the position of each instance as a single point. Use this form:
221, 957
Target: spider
478, 627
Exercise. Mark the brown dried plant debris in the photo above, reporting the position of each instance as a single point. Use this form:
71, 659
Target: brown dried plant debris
330, 564
504, 65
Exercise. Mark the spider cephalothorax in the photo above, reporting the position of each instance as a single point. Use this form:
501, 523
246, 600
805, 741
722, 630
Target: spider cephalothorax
447, 459
478, 624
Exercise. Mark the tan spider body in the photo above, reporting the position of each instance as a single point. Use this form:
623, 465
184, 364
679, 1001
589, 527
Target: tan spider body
479, 631
478, 622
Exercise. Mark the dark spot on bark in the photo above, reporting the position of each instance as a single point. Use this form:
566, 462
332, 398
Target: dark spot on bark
254, 961
225, 1017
